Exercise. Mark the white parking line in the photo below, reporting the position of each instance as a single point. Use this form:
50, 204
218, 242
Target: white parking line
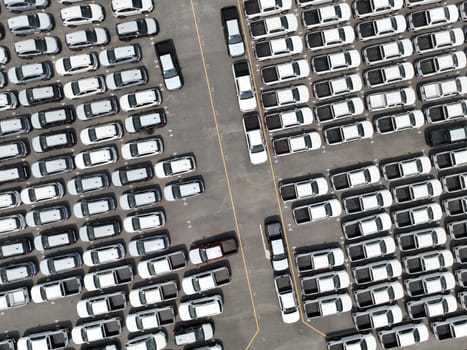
267, 254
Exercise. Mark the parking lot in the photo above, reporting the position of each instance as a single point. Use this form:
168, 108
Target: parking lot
204, 119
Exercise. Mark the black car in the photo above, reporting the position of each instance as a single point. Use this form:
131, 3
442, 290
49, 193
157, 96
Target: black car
171, 72
447, 135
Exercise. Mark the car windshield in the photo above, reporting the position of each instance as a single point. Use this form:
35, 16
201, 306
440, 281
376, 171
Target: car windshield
91, 36
246, 94
132, 100
40, 44
167, 168
257, 149
33, 21
142, 27
67, 64
170, 73
86, 11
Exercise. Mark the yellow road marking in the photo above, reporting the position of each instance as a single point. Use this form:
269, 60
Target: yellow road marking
273, 174
229, 189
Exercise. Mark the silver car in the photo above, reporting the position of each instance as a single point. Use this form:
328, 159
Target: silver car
31, 23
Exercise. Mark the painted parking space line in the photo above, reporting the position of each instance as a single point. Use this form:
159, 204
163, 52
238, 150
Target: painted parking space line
273, 174
227, 178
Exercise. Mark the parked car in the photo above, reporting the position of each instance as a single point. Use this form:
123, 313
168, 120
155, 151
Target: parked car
126, 78
143, 222
175, 166
329, 38
47, 215
89, 182
232, 31
51, 239
336, 61
451, 87
101, 133
148, 245
17, 272
278, 48
151, 97
438, 40
142, 148
326, 15
214, 250
132, 174
119, 55
53, 140
27, 73
389, 124
141, 27
170, 68
244, 86
125, 8
201, 307
93, 206
25, 5
77, 64
260, 8
87, 38
362, 341
97, 109
391, 74
29, 48
51, 166
404, 335
420, 165
100, 229
146, 121
53, 117
387, 51
54, 339
401, 97
40, 94
355, 131
8, 101
42, 192
84, 87
140, 198
433, 17
367, 8
101, 304
337, 86
200, 332
381, 27
32, 23
445, 63
273, 26
319, 259
82, 14
157, 341
286, 297
184, 189
96, 330
14, 298
96, 157
449, 111
53, 265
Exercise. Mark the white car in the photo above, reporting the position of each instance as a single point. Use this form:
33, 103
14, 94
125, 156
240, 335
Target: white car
101, 304
92, 206
142, 148
341, 85
120, 55
96, 331
389, 124
125, 8
441, 64
14, 298
433, 17
273, 26
84, 87
361, 341
82, 14
260, 8
146, 121
286, 297
201, 307
140, 198
141, 99
388, 51
96, 157
153, 294
244, 86
8, 100
104, 255
42, 193
60, 263
4, 55
9, 199
175, 166
86, 38
86, 183
148, 245
336, 61
126, 78
367, 8
143, 320
143, 222
326, 15
401, 97
47, 215
319, 259
37, 341
355, 131
184, 189
12, 223
283, 72
32, 23
156, 341
455, 86
404, 335
278, 48
328, 38
381, 27
389, 74
420, 239
101, 133
443, 39
161, 265
77, 64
